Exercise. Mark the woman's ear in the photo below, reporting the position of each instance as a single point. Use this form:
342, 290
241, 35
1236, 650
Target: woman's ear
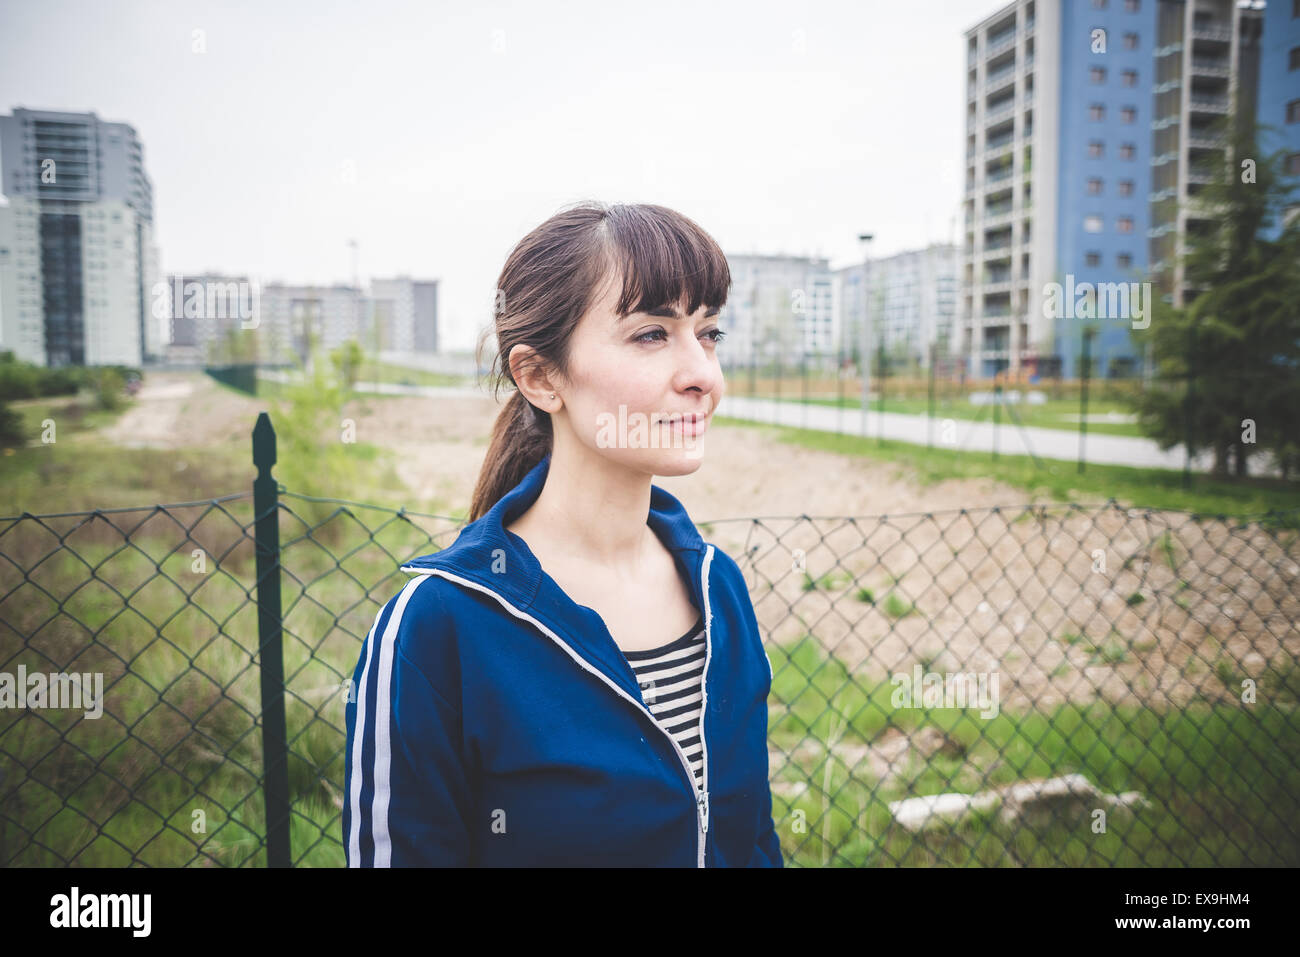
530, 378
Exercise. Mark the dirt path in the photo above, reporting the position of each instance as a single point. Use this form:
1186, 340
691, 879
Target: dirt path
988, 593
176, 410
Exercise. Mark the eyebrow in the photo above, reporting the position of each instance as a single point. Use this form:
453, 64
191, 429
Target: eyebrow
667, 312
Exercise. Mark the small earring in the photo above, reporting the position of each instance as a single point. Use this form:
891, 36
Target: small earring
552, 395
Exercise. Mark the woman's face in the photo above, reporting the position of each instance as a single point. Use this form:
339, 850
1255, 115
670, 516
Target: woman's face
629, 377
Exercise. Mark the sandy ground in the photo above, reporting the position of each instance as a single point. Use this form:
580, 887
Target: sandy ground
1025, 599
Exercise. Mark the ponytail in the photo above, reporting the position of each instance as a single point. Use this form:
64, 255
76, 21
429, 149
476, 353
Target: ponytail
521, 437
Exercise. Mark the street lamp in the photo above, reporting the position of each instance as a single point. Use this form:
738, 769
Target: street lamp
865, 332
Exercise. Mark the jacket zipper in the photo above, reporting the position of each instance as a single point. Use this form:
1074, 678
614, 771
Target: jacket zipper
701, 794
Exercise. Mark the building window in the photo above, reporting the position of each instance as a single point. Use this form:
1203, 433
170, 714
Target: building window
1097, 74
1128, 114
1293, 111
1129, 77
1099, 4
1127, 151
1096, 149
1126, 187
1294, 62
1096, 112
1092, 224
1130, 41
1132, 6
1094, 186
1124, 224
1293, 161
1092, 259
1124, 260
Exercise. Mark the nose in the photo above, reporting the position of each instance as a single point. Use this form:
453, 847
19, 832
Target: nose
698, 370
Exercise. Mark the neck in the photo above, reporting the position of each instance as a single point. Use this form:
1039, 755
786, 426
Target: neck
592, 511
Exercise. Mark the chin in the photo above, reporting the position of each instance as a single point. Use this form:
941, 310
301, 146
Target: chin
677, 461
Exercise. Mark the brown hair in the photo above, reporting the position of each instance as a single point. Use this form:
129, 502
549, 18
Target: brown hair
549, 282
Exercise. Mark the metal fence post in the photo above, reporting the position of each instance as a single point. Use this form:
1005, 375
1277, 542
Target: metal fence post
997, 413
1086, 373
929, 424
270, 655
1189, 405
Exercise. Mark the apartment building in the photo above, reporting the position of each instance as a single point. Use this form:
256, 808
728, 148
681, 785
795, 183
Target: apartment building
1206, 59
77, 251
405, 314
1278, 102
910, 299
1087, 142
780, 309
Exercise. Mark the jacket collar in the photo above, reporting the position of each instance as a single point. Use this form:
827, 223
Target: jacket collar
488, 554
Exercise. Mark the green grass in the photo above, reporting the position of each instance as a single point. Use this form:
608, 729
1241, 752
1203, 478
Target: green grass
896, 607
375, 371
1052, 414
179, 674
1223, 781
1055, 480
72, 415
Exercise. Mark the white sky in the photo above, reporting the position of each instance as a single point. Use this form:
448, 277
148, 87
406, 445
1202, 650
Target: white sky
779, 127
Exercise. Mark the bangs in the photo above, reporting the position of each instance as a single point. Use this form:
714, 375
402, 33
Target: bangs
664, 259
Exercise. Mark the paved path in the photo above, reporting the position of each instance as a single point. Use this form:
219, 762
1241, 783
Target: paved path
965, 434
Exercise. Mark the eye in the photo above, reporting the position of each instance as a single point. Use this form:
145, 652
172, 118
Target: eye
715, 335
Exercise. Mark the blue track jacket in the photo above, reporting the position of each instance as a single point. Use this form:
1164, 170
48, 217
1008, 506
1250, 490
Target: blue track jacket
497, 724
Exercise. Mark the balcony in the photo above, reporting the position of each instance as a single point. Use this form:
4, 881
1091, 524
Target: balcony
1002, 110
1003, 174
1209, 104
1204, 175
1002, 41
1210, 66
1219, 33
997, 81
1002, 217
997, 151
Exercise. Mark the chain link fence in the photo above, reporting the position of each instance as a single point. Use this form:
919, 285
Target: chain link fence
1040, 685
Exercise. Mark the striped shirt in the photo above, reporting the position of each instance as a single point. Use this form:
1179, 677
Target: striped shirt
671, 678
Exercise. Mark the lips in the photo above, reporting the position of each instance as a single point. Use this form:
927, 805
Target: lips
688, 423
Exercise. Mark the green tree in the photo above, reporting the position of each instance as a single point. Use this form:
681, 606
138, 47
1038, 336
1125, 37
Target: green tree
347, 360
318, 451
12, 434
109, 385
1234, 349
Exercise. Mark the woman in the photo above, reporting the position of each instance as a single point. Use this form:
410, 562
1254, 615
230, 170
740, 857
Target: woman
579, 678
